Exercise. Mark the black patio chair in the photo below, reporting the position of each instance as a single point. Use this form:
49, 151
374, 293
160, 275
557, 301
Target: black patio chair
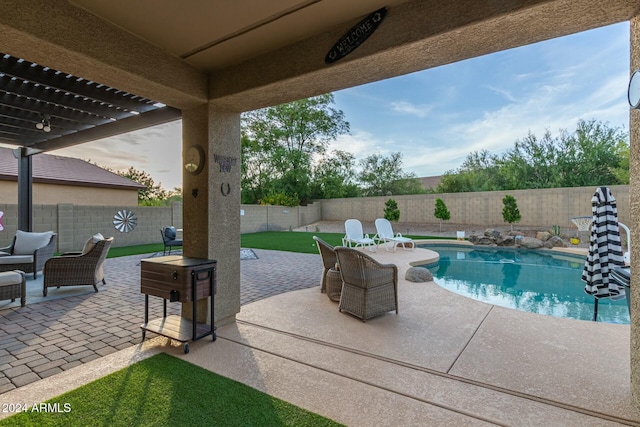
169, 239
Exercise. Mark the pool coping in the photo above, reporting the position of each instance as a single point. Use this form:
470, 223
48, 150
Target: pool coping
465, 243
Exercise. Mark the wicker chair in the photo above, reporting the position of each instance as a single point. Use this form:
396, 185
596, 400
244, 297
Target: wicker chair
76, 269
15, 257
369, 288
13, 285
328, 260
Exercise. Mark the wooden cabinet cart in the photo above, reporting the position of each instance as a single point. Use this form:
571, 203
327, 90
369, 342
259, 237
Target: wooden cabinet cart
178, 279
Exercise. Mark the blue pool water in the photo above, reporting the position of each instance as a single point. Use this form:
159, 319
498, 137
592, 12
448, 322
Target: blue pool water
527, 280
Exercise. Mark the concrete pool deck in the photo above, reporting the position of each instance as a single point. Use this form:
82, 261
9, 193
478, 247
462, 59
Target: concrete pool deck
442, 360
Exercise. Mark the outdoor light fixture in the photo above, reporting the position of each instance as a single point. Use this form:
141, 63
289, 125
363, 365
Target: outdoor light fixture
194, 159
633, 93
44, 124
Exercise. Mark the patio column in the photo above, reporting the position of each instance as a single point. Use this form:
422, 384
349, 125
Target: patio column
211, 203
25, 189
634, 136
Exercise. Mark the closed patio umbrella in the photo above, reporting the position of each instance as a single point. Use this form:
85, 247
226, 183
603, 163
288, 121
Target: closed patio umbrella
605, 249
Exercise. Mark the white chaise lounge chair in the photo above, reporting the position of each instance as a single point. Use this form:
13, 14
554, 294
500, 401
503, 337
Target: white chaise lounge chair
390, 240
354, 236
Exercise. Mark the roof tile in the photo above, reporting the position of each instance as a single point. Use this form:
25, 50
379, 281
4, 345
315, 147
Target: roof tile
49, 168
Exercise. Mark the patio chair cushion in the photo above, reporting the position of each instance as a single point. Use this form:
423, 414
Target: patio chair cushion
16, 259
12, 286
28, 242
10, 278
170, 233
92, 242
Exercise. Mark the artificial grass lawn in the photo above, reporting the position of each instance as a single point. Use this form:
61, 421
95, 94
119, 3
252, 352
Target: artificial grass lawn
166, 391
298, 241
135, 250
291, 241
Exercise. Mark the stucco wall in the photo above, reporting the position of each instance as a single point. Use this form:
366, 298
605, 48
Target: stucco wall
52, 194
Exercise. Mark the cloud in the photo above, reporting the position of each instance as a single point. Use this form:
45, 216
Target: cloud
156, 150
405, 107
552, 100
507, 94
360, 143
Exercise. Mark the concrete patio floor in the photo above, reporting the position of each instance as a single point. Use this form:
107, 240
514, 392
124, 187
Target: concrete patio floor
442, 360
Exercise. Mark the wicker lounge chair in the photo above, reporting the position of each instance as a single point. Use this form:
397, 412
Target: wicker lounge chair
328, 260
28, 252
75, 269
369, 288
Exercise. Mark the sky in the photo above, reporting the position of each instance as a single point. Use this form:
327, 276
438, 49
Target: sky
436, 117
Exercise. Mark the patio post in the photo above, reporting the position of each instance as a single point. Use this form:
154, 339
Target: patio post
634, 185
211, 204
25, 189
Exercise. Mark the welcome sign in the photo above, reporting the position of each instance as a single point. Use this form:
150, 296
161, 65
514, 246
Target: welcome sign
355, 36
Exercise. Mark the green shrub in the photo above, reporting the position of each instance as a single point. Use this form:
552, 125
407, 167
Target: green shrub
441, 212
280, 199
391, 211
510, 211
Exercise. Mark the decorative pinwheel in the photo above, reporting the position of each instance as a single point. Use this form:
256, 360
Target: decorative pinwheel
124, 221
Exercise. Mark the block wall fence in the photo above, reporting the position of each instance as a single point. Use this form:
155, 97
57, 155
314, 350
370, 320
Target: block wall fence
74, 224
539, 208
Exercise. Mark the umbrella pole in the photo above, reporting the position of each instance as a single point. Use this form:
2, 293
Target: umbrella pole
595, 309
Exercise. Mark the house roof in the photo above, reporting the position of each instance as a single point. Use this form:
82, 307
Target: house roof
52, 169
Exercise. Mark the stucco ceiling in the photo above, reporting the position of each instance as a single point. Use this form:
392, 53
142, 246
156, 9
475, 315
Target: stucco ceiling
213, 34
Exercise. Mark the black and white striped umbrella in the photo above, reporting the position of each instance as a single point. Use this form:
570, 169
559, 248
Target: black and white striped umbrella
605, 249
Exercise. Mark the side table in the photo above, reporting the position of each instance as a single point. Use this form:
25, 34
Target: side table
334, 285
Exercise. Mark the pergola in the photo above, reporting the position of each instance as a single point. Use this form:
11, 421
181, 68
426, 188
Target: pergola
42, 109
207, 61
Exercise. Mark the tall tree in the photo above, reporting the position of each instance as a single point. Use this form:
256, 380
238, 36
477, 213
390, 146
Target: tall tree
383, 176
594, 154
622, 171
334, 176
256, 170
279, 144
153, 194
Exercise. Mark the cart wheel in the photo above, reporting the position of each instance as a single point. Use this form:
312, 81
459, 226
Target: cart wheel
186, 348
214, 336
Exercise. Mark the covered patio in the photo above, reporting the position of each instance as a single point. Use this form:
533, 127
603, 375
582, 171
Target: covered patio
443, 360
215, 61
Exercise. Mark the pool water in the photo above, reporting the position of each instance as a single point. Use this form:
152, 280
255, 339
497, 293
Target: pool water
535, 281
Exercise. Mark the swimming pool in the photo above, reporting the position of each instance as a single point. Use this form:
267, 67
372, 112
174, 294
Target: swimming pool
536, 281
